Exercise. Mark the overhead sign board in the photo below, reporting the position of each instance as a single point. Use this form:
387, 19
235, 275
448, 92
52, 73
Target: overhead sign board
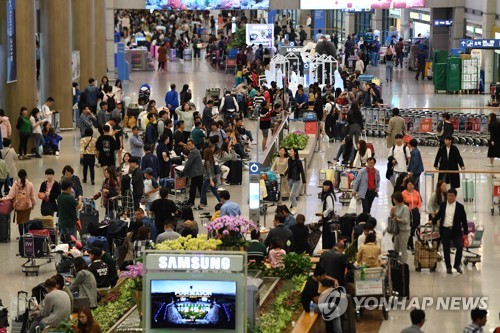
480, 43
443, 23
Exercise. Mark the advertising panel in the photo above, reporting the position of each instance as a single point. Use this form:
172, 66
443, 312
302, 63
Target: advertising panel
359, 5
206, 4
260, 34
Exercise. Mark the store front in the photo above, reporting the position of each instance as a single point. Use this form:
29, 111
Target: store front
420, 22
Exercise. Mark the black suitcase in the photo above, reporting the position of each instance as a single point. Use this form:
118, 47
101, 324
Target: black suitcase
400, 275
88, 218
4, 228
20, 322
33, 246
347, 223
235, 176
273, 193
4, 316
340, 130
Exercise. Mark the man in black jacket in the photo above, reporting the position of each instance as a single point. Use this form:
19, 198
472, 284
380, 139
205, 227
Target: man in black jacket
453, 220
280, 232
194, 169
448, 158
137, 181
335, 263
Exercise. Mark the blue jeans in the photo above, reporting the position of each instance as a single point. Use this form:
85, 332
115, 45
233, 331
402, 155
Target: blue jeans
374, 58
399, 58
256, 111
204, 189
294, 188
249, 135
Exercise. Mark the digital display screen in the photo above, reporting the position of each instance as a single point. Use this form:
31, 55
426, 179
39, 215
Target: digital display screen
260, 34
359, 5
443, 23
206, 4
254, 196
193, 304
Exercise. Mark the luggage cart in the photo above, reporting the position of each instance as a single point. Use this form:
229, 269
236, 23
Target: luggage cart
347, 179
372, 282
495, 194
476, 243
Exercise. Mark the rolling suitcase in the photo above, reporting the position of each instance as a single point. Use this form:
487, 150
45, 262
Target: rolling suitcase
468, 189
34, 246
273, 193
173, 54
400, 275
339, 130
235, 175
88, 215
4, 228
425, 255
20, 321
187, 54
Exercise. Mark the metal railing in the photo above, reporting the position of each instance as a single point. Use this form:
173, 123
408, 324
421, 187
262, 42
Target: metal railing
432, 174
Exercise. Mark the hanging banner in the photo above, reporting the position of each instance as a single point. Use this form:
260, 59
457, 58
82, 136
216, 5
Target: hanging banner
11, 42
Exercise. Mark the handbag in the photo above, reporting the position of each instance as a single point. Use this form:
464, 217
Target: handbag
392, 227
6, 207
352, 206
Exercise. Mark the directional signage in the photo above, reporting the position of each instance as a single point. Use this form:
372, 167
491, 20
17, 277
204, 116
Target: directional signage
254, 168
443, 23
480, 43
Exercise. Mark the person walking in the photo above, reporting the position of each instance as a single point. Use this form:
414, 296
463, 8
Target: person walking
326, 214
448, 158
87, 155
400, 214
24, 127
209, 177
162, 57
5, 126
389, 64
445, 128
48, 193
453, 220
367, 184
494, 142
295, 173
421, 59
92, 95
399, 48
194, 168
399, 157
22, 195
416, 165
413, 200
479, 318
355, 121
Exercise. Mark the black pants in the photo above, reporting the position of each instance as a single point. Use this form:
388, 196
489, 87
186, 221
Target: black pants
88, 164
137, 201
196, 183
297, 112
414, 225
23, 143
368, 201
161, 65
421, 69
447, 236
196, 52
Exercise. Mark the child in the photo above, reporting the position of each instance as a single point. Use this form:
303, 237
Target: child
276, 254
217, 211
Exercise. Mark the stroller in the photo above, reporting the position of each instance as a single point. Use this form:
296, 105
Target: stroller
144, 94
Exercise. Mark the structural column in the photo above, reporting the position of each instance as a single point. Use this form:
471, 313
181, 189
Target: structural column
23, 91
489, 15
84, 35
377, 21
55, 25
405, 24
100, 38
458, 27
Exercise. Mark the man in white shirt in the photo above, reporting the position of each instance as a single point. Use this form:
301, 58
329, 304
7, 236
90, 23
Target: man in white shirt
46, 111
370, 228
453, 222
401, 155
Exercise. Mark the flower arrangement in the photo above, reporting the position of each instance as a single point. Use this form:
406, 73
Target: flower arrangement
200, 243
111, 309
297, 139
230, 230
135, 274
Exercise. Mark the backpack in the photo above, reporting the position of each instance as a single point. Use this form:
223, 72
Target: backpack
399, 47
22, 200
111, 103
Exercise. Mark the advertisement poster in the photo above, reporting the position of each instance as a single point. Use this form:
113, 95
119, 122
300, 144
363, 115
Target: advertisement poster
11, 42
206, 4
260, 34
358, 5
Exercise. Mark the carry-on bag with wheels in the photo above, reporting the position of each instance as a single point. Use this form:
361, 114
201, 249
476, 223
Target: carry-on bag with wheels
4, 227
400, 275
235, 176
468, 189
20, 321
425, 255
34, 246
88, 215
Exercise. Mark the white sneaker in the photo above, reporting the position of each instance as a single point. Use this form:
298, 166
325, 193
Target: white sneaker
57, 152
220, 189
489, 165
253, 143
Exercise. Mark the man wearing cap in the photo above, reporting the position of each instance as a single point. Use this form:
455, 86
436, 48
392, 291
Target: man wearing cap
151, 187
150, 161
118, 112
99, 268
108, 259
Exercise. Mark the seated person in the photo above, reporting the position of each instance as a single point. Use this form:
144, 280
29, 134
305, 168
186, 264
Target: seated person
55, 308
86, 322
189, 230
108, 259
168, 233
99, 268
346, 151
300, 243
187, 220
51, 138
84, 283
276, 254
217, 208
143, 242
225, 154
369, 252
255, 249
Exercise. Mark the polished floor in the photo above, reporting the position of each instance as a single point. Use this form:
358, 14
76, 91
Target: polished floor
403, 92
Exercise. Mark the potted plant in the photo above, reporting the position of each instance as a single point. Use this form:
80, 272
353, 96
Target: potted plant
135, 274
230, 230
200, 243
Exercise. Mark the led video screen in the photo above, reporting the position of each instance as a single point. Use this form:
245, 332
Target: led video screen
260, 34
206, 4
193, 304
359, 4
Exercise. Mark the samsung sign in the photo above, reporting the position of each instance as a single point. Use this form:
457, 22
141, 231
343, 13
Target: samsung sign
194, 262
